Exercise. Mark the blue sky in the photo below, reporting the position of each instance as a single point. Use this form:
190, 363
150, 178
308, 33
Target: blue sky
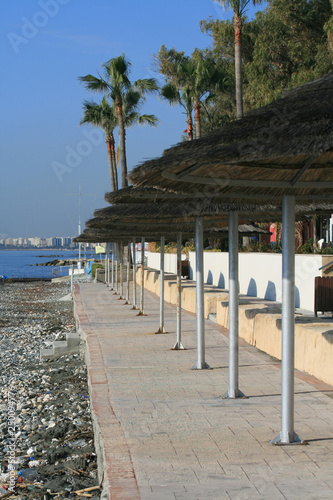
45, 46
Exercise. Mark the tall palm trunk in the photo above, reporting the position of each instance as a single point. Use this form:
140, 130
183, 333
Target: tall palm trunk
189, 127
238, 64
122, 151
108, 143
114, 162
197, 119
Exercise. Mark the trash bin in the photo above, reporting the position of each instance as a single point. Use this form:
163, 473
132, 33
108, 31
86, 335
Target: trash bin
323, 294
185, 269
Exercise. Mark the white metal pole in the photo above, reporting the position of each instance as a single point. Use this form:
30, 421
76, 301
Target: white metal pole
72, 277
161, 328
233, 390
112, 269
327, 239
121, 271
108, 263
105, 264
178, 344
134, 275
117, 274
141, 312
200, 364
79, 228
128, 272
287, 434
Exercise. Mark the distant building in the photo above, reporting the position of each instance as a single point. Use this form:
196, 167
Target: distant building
37, 242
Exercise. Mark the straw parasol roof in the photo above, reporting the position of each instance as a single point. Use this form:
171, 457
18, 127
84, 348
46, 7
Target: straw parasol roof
283, 148
153, 211
94, 235
183, 214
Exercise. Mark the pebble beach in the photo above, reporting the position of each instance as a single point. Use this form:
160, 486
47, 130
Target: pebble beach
47, 447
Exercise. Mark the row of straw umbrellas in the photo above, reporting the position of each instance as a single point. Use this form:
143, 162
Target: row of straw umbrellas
273, 164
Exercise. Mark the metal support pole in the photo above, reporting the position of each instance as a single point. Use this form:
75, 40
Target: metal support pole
141, 312
178, 344
105, 265
117, 274
233, 391
112, 269
108, 263
134, 275
161, 328
200, 364
128, 272
121, 271
287, 434
72, 277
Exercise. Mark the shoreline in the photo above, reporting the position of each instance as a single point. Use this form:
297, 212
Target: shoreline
37, 249
26, 263
3, 281
51, 446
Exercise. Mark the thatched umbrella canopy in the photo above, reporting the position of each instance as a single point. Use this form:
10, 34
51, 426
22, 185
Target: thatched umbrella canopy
283, 151
161, 209
125, 233
285, 148
159, 213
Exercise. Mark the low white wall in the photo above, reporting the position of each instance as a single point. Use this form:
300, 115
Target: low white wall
260, 275
170, 261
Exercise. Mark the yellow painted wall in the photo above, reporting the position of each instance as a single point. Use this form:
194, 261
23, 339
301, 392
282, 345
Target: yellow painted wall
259, 324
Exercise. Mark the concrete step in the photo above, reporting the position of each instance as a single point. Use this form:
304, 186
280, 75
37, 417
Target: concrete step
46, 353
73, 339
212, 317
61, 347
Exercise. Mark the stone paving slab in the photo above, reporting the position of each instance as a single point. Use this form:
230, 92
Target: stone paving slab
164, 431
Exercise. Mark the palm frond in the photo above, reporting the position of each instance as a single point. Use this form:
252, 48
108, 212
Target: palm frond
131, 98
146, 85
150, 120
238, 6
93, 83
171, 94
117, 70
99, 115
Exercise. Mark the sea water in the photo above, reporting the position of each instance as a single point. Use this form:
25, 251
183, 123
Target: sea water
20, 263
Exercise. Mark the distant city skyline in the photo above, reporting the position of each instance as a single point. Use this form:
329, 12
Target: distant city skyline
39, 242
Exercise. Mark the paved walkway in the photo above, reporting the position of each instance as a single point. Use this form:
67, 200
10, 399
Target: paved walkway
165, 431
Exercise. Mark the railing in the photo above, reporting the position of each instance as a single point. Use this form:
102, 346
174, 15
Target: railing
58, 272
326, 265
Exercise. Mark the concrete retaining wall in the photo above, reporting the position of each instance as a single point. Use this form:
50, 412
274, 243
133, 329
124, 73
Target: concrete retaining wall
170, 261
152, 283
260, 275
259, 323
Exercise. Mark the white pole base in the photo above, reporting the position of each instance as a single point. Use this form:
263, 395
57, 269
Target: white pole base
287, 439
201, 366
236, 394
178, 346
161, 330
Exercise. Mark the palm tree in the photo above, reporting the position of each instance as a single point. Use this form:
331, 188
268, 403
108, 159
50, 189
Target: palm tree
132, 100
197, 75
102, 115
115, 83
184, 98
202, 78
239, 7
